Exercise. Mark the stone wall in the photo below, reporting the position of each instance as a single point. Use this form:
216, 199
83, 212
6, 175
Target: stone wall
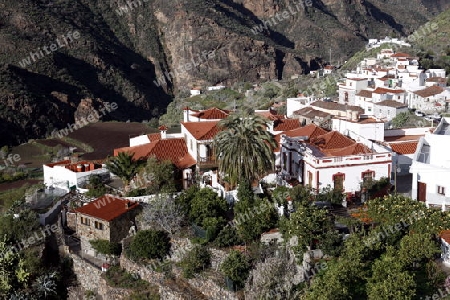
87, 275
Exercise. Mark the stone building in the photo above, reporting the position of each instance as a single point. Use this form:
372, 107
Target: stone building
107, 218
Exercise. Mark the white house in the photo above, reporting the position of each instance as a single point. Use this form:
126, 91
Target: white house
215, 88
294, 104
195, 92
350, 88
432, 98
369, 128
330, 159
69, 174
431, 168
389, 109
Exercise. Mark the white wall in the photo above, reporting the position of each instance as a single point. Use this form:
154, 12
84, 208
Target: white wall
139, 140
191, 142
373, 131
352, 174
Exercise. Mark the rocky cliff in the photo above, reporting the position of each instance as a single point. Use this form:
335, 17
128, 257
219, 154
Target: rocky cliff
123, 48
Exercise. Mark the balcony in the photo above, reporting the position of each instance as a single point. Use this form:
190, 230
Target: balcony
207, 162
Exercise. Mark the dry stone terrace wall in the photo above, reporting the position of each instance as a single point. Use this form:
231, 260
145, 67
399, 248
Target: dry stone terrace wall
87, 275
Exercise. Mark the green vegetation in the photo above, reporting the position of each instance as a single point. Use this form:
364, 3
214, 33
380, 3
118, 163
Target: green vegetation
106, 247
117, 277
196, 261
123, 165
236, 267
150, 244
96, 187
240, 143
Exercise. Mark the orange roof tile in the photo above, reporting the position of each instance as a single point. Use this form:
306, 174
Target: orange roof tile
202, 130
445, 235
391, 103
310, 130
429, 91
212, 114
107, 207
365, 94
436, 79
401, 54
381, 90
154, 136
355, 149
286, 124
405, 147
332, 140
174, 150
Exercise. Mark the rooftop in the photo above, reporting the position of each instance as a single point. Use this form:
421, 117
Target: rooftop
212, 114
336, 106
391, 103
404, 147
174, 150
202, 130
380, 90
107, 207
429, 91
286, 124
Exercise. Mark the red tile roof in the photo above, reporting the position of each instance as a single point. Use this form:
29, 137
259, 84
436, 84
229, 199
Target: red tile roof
332, 140
154, 136
436, 79
212, 114
429, 91
404, 148
174, 150
391, 103
365, 94
355, 149
381, 90
107, 207
401, 54
445, 235
286, 124
310, 130
202, 130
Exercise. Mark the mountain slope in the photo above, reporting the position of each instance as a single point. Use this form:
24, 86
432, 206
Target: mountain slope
123, 49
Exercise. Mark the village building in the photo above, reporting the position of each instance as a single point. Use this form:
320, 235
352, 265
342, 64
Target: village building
107, 218
431, 168
319, 159
72, 174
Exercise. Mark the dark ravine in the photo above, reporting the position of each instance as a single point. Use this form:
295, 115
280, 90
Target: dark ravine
120, 53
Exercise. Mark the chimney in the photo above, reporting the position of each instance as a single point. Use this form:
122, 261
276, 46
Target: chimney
163, 131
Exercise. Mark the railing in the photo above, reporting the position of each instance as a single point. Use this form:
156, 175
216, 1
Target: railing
202, 161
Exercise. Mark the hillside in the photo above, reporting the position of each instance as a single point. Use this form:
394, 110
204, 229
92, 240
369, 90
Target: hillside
121, 50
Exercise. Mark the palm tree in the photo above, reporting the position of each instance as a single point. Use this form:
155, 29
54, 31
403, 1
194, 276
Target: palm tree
244, 148
124, 166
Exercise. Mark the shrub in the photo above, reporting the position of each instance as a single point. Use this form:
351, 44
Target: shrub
196, 261
106, 247
236, 267
150, 244
227, 237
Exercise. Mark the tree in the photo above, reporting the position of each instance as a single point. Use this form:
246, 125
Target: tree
106, 247
207, 204
150, 244
196, 261
244, 148
400, 120
275, 278
236, 267
164, 213
157, 177
123, 165
96, 187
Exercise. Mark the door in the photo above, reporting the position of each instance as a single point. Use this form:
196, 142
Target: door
421, 191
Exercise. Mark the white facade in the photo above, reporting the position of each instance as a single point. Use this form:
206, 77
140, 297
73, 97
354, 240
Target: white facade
388, 112
294, 104
215, 88
350, 88
57, 175
431, 168
195, 92
139, 140
369, 129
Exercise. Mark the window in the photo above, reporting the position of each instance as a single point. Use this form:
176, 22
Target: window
310, 178
367, 176
338, 180
85, 221
98, 225
346, 97
441, 190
